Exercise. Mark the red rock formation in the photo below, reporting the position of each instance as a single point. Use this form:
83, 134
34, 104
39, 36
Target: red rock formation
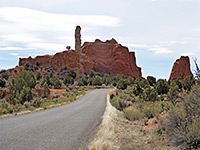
111, 58
103, 57
181, 69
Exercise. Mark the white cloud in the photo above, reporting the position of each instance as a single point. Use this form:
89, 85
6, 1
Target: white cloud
187, 54
196, 30
14, 54
160, 50
173, 42
137, 45
37, 29
48, 46
12, 48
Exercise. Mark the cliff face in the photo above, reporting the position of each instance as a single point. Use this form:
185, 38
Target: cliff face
111, 58
103, 57
181, 69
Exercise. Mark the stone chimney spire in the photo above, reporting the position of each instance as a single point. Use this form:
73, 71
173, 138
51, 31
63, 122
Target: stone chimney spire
78, 39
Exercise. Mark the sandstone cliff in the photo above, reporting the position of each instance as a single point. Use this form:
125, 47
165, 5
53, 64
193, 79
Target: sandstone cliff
181, 69
102, 57
111, 58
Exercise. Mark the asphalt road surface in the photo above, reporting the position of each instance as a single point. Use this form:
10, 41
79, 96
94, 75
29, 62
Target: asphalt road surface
68, 127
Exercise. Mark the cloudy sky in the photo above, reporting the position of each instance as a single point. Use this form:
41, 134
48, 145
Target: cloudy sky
159, 31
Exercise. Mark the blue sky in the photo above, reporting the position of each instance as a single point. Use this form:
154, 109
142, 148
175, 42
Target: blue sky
159, 31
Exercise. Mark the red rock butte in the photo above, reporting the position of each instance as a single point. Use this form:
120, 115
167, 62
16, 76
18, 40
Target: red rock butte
181, 69
103, 57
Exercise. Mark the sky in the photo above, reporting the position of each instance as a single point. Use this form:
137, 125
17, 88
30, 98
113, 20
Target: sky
158, 31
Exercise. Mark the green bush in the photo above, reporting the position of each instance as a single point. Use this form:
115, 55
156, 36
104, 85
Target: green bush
184, 122
151, 80
137, 90
68, 81
56, 83
122, 84
83, 81
25, 95
133, 114
29, 78
97, 81
2, 83
5, 75
92, 74
2, 94
188, 82
112, 96
36, 102
47, 80
162, 86
38, 76
130, 81
72, 74
172, 95
106, 79
149, 94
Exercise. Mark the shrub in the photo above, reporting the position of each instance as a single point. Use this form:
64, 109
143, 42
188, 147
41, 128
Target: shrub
112, 96
188, 82
122, 84
72, 74
137, 90
106, 79
29, 78
56, 83
27, 105
130, 81
5, 75
82, 82
172, 95
92, 74
97, 81
36, 102
25, 95
151, 80
183, 123
2, 94
68, 81
149, 111
38, 76
133, 114
19, 91
150, 94
178, 83
162, 86
47, 80
46, 91
2, 83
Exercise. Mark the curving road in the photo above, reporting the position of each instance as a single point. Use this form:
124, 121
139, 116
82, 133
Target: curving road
69, 127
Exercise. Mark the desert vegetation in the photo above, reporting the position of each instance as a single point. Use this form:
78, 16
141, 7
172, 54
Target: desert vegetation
179, 100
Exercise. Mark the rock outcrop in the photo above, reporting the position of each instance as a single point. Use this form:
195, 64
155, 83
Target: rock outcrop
103, 57
111, 58
181, 69
78, 39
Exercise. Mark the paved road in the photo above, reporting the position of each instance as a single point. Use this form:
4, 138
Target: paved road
69, 127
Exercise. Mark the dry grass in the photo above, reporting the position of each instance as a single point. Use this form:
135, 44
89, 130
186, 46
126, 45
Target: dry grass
117, 133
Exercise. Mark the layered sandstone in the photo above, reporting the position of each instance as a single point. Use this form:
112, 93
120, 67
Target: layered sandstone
111, 58
181, 69
59, 63
103, 57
